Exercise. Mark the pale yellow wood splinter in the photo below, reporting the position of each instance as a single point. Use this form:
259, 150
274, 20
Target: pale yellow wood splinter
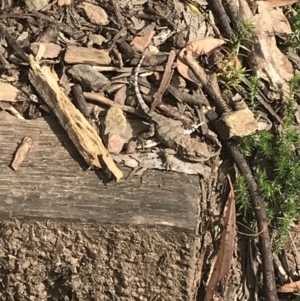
81, 132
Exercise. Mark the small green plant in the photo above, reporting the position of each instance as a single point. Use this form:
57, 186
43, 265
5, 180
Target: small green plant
262, 141
252, 101
297, 296
231, 76
278, 176
242, 37
232, 73
294, 39
243, 198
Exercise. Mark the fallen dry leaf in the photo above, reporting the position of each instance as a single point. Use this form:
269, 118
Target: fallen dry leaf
277, 3
273, 66
204, 46
196, 48
223, 262
292, 287
272, 19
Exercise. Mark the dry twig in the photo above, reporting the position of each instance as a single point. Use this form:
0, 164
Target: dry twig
165, 80
21, 153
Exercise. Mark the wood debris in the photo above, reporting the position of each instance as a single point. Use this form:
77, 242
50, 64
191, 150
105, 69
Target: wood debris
83, 135
8, 92
83, 55
21, 153
224, 257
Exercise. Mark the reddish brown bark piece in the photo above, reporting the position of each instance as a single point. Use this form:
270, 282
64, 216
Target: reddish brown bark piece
51, 50
140, 43
83, 55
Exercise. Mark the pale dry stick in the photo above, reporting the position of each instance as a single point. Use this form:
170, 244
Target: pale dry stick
165, 81
14, 112
96, 97
112, 68
280, 268
118, 57
138, 94
125, 70
48, 6
21, 153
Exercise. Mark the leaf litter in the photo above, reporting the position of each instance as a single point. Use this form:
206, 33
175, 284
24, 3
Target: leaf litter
108, 41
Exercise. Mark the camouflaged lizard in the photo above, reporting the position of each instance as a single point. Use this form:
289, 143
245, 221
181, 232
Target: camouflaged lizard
170, 132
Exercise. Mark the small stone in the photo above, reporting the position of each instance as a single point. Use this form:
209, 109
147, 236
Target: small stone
237, 124
114, 126
95, 14
23, 38
97, 39
115, 122
115, 143
88, 77
36, 5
